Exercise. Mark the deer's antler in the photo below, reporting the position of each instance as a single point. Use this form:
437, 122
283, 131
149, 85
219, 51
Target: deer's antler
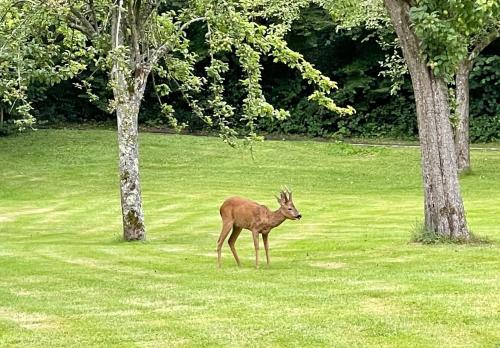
285, 193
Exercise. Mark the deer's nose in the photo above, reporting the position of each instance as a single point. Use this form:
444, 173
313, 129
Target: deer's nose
299, 216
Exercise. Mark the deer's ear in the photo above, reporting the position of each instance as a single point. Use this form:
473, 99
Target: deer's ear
278, 199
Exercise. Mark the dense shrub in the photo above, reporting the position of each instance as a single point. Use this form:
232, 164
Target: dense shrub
354, 64
343, 55
485, 99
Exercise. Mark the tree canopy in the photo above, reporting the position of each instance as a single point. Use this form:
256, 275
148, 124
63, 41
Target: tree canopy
35, 48
449, 28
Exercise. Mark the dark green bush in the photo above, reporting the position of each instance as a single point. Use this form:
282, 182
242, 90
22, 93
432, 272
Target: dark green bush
485, 99
342, 55
7, 129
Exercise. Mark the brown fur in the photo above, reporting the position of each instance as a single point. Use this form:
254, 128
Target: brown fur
240, 213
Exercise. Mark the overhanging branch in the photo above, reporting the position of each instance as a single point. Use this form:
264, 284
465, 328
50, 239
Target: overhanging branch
163, 49
486, 40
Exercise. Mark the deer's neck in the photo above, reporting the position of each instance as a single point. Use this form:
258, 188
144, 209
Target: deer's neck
276, 218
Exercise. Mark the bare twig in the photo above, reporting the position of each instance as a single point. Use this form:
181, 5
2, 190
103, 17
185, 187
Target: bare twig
118, 23
134, 31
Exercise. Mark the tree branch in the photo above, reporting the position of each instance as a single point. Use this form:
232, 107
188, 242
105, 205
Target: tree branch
482, 44
94, 16
80, 28
132, 20
194, 20
116, 26
84, 23
163, 49
410, 2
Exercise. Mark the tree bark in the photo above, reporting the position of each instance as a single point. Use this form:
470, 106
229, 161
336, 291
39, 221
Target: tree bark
462, 143
1, 117
127, 111
443, 206
130, 186
462, 140
128, 94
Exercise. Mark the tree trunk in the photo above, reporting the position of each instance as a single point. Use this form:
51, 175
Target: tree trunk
127, 98
1, 117
130, 186
462, 144
128, 102
127, 111
443, 206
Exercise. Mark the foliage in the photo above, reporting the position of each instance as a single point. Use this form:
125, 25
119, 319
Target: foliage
66, 102
249, 29
485, 95
353, 61
36, 51
349, 56
7, 129
346, 266
447, 28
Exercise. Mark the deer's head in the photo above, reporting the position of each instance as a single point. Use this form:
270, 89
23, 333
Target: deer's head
287, 208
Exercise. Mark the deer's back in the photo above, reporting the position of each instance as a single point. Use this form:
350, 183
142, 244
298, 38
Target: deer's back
243, 212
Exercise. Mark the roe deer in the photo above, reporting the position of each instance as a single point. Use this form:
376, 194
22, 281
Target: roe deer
238, 213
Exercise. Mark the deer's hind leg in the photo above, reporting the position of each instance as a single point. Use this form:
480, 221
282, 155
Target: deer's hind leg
226, 228
232, 240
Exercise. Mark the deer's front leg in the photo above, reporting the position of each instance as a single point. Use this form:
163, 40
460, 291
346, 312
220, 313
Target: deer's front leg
265, 237
255, 235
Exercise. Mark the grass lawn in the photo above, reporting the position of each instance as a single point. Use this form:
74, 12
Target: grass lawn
343, 276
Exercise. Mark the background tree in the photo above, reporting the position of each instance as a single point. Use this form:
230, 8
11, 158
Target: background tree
479, 42
349, 56
458, 30
140, 37
443, 205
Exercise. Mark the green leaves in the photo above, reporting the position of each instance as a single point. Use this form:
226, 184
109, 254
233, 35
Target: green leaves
236, 26
36, 48
447, 29
158, 39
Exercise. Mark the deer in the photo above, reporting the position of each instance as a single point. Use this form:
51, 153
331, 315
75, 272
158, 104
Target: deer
240, 213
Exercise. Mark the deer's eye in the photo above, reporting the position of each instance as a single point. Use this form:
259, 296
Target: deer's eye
289, 208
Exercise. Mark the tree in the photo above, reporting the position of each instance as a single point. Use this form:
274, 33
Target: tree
462, 95
433, 36
443, 206
146, 36
452, 35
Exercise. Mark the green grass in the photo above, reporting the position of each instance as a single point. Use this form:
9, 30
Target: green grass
344, 276
423, 235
